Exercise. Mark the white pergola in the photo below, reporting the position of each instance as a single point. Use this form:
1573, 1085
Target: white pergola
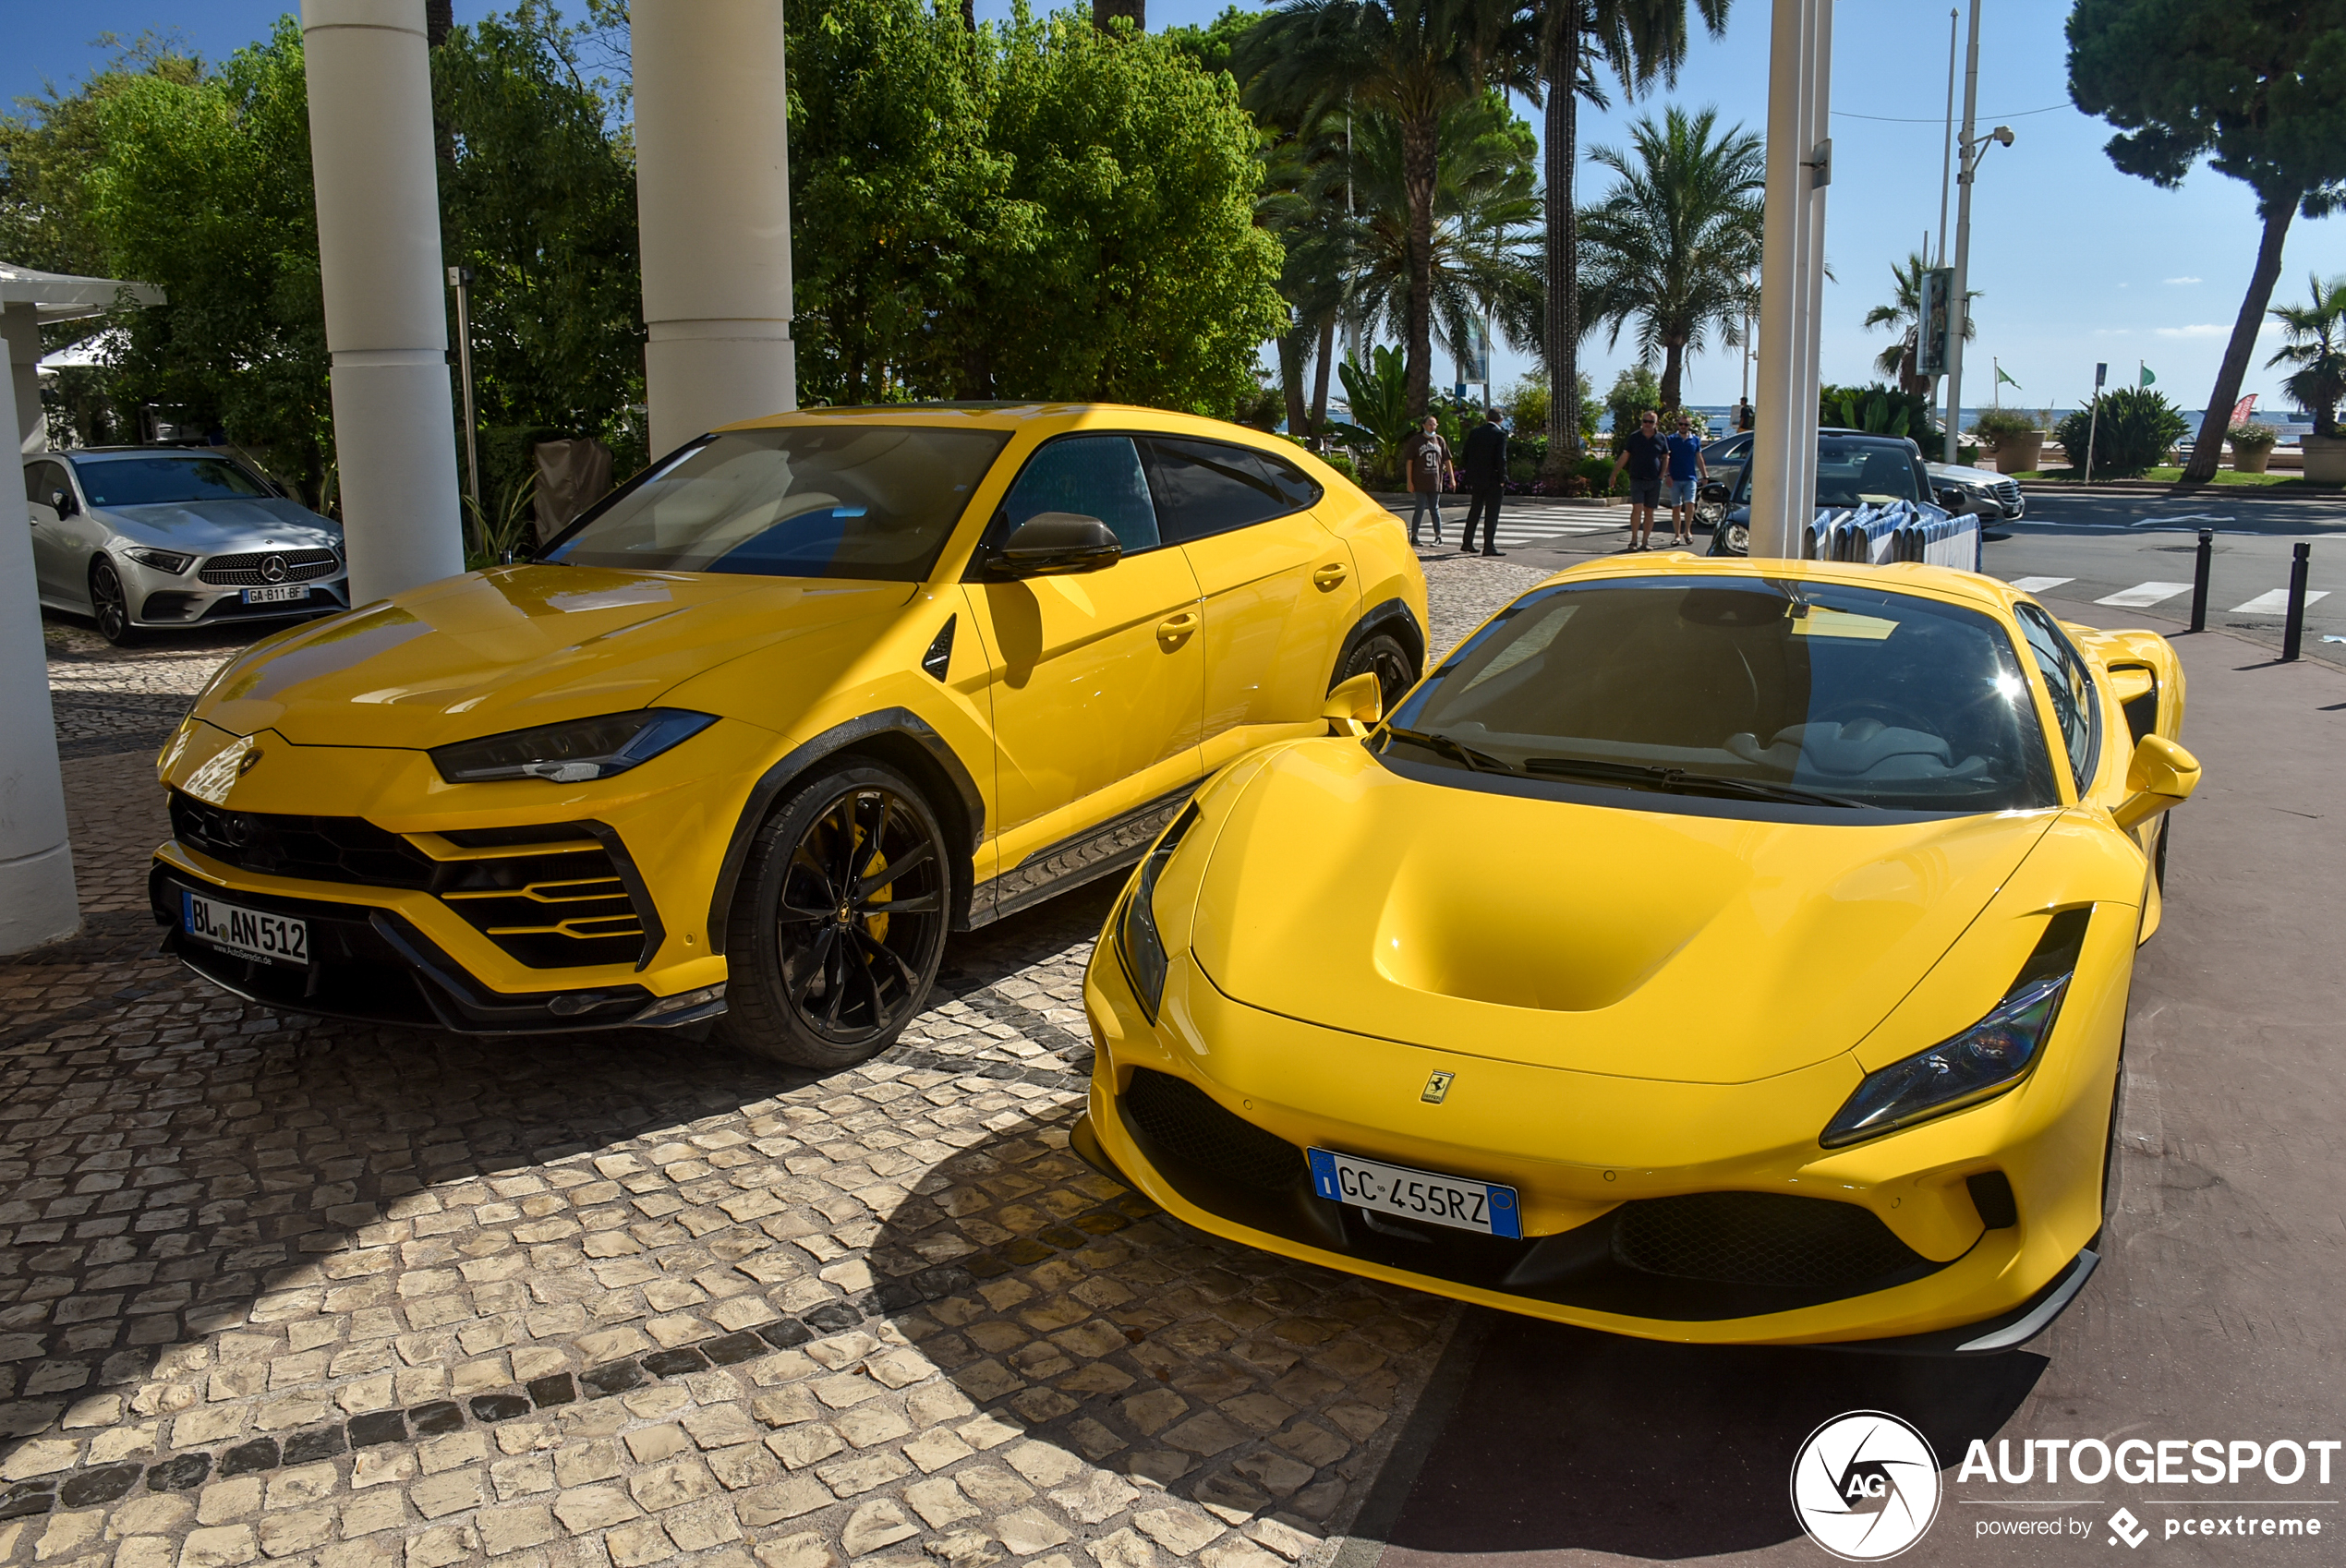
31, 300
713, 204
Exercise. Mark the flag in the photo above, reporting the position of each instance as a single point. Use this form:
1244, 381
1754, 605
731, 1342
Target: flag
2148, 375
2243, 409
2004, 379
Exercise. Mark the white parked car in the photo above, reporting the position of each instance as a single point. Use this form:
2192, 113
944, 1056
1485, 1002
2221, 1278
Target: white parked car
2000, 492
155, 538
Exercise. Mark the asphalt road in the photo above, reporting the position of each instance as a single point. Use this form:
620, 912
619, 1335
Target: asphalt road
2214, 1315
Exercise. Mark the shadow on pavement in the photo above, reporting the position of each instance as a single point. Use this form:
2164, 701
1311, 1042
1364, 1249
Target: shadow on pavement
1565, 1440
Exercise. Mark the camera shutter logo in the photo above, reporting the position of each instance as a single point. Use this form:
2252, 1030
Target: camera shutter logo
1865, 1485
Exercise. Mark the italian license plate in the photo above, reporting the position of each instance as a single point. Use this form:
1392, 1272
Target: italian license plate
281, 593
1416, 1195
249, 934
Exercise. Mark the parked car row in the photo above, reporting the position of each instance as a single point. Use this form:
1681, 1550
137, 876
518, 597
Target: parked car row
1684, 1048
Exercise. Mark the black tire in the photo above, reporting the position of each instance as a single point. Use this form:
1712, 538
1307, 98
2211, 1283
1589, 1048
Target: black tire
827, 964
1396, 671
110, 605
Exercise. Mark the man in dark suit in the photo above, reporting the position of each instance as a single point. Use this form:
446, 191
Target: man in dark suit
1486, 476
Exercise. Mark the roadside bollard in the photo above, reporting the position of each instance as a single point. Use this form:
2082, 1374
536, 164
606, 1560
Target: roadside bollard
2301, 558
2199, 580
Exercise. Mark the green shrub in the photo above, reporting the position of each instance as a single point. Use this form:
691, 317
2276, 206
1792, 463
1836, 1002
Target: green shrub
1342, 463
2135, 428
1994, 423
1879, 410
2253, 438
1634, 392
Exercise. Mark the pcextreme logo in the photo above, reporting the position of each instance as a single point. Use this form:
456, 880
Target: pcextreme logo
1865, 1485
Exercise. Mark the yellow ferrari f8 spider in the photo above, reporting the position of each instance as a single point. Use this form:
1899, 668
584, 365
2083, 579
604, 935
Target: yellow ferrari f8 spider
754, 733
1707, 950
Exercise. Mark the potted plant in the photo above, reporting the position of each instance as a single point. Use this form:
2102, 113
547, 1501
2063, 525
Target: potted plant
2252, 447
2317, 347
2013, 438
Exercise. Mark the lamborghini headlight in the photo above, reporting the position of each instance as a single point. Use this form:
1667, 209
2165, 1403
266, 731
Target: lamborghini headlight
574, 752
1137, 937
1984, 1060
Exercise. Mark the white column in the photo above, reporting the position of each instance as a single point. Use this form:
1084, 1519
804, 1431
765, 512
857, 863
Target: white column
712, 201
20, 325
378, 250
38, 901
1783, 453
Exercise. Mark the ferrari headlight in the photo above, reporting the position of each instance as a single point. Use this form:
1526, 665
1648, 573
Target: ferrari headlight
574, 752
1137, 938
171, 564
1986, 1058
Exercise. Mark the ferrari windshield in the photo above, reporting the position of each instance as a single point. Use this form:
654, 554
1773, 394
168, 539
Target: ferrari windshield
1854, 472
828, 501
1807, 693
165, 481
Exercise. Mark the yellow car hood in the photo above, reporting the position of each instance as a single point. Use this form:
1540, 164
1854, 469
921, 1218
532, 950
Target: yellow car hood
1638, 943
515, 646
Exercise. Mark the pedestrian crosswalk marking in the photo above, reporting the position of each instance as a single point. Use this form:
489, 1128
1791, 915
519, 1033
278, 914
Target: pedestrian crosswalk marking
2039, 585
2143, 595
2275, 601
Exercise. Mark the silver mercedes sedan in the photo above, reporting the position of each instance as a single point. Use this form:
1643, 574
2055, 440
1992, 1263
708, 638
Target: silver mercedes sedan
156, 537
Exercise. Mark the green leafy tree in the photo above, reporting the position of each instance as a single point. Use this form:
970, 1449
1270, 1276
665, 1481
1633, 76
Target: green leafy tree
1633, 392
2316, 350
2256, 88
1211, 47
1148, 279
891, 102
538, 196
203, 186
1672, 249
1573, 41
1378, 392
1878, 410
1903, 316
1408, 59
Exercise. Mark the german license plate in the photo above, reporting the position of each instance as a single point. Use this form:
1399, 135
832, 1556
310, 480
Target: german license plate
249, 934
1455, 1202
281, 593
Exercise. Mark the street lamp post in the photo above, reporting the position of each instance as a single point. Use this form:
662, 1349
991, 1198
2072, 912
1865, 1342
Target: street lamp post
1969, 152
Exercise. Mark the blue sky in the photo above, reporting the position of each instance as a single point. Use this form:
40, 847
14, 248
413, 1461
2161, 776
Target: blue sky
2075, 262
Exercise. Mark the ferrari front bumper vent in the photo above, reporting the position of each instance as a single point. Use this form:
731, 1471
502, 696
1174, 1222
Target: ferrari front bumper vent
1184, 1121
1759, 1239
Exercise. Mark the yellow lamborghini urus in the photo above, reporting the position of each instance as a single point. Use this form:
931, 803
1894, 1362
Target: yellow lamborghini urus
1715, 951
754, 733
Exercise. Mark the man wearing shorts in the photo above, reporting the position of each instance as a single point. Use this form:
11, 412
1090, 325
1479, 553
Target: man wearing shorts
1686, 471
1647, 456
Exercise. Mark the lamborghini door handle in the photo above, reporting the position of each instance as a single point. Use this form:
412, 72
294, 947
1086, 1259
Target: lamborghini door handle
1327, 576
1174, 628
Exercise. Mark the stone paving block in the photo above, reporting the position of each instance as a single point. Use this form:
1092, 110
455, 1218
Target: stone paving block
807, 1549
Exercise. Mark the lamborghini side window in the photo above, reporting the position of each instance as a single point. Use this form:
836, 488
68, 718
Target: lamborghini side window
2072, 688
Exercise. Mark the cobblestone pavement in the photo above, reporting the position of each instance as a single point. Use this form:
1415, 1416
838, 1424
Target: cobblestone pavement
274, 1290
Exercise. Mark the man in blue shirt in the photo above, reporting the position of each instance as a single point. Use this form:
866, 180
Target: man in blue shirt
1686, 471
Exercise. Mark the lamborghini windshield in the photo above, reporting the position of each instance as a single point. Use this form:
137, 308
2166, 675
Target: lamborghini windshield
833, 500
1807, 694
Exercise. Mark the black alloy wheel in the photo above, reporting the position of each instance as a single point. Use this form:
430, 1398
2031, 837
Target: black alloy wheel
110, 605
836, 932
1396, 670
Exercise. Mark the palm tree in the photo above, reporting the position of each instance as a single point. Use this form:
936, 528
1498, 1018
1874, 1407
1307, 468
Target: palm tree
1903, 316
1483, 262
1673, 246
2317, 348
1407, 59
1637, 42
